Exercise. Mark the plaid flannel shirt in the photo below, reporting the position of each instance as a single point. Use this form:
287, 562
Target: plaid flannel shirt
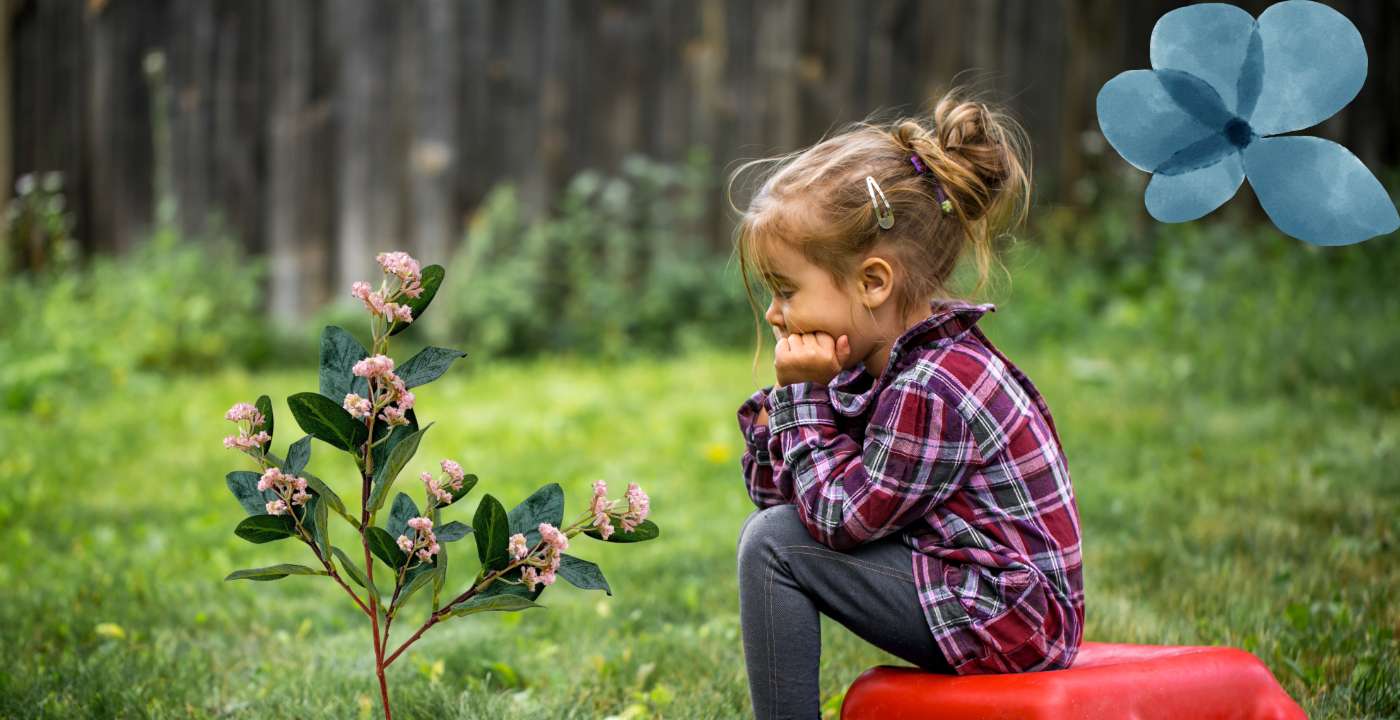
955, 449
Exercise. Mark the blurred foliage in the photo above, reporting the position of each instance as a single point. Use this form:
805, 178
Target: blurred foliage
1230, 303
38, 228
85, 327
621, 266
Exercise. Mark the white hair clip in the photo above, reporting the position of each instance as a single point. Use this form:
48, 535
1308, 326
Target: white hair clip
886, 216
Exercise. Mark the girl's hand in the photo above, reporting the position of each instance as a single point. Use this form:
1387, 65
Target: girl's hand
810, 357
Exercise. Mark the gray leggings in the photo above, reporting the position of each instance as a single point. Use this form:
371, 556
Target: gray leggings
786, 578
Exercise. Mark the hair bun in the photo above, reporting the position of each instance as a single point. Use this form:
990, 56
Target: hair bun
983, 150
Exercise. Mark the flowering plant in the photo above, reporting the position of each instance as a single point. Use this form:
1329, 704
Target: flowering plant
365, 407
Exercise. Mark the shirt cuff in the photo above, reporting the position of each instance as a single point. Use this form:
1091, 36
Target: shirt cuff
755, 434
798, 404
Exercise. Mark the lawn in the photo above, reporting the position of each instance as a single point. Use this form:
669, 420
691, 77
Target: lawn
1270, 526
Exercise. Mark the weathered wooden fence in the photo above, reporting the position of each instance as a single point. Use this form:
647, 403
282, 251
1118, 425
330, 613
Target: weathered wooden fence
323, 130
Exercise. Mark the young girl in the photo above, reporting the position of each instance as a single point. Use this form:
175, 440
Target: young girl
909, 478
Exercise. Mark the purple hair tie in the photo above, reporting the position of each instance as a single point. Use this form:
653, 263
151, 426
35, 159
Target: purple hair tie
943, 202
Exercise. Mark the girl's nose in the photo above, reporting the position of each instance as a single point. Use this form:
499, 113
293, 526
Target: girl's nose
773, 316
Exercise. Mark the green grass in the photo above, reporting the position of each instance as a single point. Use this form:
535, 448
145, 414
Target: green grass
1270, 526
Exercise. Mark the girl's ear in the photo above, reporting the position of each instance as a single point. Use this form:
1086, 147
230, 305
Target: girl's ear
876, 282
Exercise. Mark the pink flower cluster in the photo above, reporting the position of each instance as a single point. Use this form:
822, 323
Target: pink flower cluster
374, 367
289, 488
358, 407
439, 491
396, 399
540, 571
425, 542
405, 268
374, 301
381, 302
604, 510
638, 507
246, 439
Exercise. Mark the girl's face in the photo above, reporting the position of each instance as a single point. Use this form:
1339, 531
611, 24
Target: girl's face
806, 300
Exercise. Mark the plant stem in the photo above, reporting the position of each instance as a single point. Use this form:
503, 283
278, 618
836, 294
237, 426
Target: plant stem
330, 568
437, 615
365, 521
336, 576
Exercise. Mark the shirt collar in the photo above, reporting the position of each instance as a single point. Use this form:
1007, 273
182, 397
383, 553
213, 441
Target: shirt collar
853, 389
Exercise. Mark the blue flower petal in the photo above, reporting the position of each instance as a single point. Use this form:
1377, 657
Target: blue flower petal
1195, 193
1314, 63
1210, 41
1143, 121
1317, 191
1203, 153
1196, 97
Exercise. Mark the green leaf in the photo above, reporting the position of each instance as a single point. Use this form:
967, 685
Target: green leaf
298, 455
427, 574
441, 576
264, 406
350, 568
431, 280
308, 516
265, 528
492, 534
322, 519
515, 587
244, 486
493, 603
452, 532
316, 484
468, 482
427, 365
324, 492
327, 421
440, 561
582, 574
339, 353
385, 548
396, 435
273, 572
546, 505
646, 530
400, 513
384, 476
357, 574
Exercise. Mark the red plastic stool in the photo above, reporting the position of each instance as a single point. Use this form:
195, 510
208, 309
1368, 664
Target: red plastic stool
1142, 682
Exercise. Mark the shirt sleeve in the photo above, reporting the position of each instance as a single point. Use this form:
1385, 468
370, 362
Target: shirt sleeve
916, 451
761, 469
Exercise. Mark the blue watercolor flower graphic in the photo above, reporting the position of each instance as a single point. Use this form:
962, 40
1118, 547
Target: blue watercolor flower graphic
1209, 114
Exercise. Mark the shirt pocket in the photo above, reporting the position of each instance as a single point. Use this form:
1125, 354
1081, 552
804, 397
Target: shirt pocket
1007, 605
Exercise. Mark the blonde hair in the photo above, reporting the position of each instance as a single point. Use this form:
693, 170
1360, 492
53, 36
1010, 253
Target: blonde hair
815, 199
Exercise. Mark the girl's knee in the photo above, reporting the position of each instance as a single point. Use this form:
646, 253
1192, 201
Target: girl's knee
768, 528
